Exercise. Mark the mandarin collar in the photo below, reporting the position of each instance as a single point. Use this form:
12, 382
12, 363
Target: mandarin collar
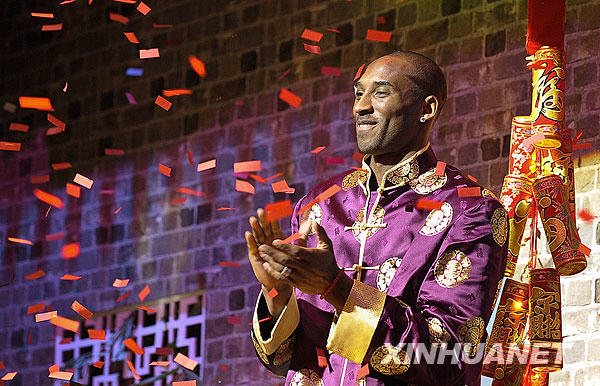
403, 173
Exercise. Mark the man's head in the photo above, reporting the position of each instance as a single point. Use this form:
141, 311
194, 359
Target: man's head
391, 96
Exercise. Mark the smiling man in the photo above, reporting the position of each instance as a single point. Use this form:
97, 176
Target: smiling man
397, 269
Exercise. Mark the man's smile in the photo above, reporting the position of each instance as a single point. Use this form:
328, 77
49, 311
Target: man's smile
366, 124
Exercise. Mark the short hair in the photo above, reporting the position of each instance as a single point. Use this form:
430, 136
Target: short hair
425, 73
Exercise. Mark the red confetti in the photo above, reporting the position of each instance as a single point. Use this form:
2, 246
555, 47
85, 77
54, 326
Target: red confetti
292, 238
42, 14
378, 36
164, 351
20, 241
440, 168
321, 197
207, 165
228, 264
149, 53
197, 65
70, 251
423, 203
317, 150
359, 72
312, 49
73, 190
61, 166
164, 170
190, 157
11, 146
118, 18
36, 275
70, 277
65, 323
246, 166
585, 215
56, 122
282, 187
583, 249
363, 371
311, 35
143, 8
133, 346
290, 98
147, 309
18, 127
143, 293
191, 192
130, 365
179, 200
321, 358
98, 364
124, 296
471, 178
35, 308
81, 310
474, 191
244, 186
234, 320
35, 103
131, 37
273, 292
162, 102
97, 334
48, 198
278, 210
186, 362
52, 27
114, 151
175, 92
284, 74
40, 179
335, 71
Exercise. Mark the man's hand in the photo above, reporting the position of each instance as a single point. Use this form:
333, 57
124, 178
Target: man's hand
311, 270
263, 233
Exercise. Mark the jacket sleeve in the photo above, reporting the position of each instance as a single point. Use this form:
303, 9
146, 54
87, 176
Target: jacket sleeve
454, 304
277, 345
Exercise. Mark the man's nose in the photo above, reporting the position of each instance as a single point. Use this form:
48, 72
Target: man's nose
363, 106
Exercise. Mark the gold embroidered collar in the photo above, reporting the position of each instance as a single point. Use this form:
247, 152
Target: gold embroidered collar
402, 173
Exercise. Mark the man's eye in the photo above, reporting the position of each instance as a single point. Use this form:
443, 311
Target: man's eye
358, 94
381, 93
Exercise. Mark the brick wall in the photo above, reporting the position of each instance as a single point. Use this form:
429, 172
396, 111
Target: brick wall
234, 115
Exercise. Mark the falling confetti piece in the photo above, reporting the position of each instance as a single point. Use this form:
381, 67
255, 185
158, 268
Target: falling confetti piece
317, 150
64, 375
83, 181
54, 368
244, 186
334, 30
130, 365
164, 351
149, 53
52, 27
120, 283
282, 187
272, 293
36, 275
197, 65
165, 364
225, 208
284, 74
290, 98
134, 71
312, 49
176, 92
162, 102
143, 8
154, 25
321, 197
228, 264
124, 296
70, 277
131, 37
378, 36
40, 179
11, 146
18, 127
207, 165
130, 99
584, 249
97, 334
469, 191
359, 73
20, 241
118, 18
186, 362
246, 166
48, 198
147, 309
184, 383
133, 346
56, 122
424, 203
9, 376
321, 358
143, 293
363, 371
70, 251
164, 170
234, 320
66, 85
114, 151
65, 323
190, 157
292, 238
311, 35
55, 236
81, 310
73, 190
191, 192
472, 178
278, 210
35, 308
45, 316
42, 14
98, 364
179, 200
335, 71
585, 215
440, 168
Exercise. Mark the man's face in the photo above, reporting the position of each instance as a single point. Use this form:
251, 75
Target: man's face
386, 108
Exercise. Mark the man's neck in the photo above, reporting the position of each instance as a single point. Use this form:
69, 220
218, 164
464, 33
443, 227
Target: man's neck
380, 164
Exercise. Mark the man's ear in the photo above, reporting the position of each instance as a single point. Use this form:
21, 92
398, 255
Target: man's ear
431, 107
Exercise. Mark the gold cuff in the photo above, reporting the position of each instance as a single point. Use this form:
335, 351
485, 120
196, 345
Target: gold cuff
284, 327
350, 336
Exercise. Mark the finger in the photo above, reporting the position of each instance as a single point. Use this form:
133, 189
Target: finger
303, 231
296, 251
276, 228
266, 226
276, 272
283, 258
259, 234
324, 240
253, 254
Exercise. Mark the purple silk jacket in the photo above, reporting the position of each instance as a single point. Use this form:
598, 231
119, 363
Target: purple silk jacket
430, 277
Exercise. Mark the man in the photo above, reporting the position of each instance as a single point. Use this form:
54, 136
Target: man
374, 274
